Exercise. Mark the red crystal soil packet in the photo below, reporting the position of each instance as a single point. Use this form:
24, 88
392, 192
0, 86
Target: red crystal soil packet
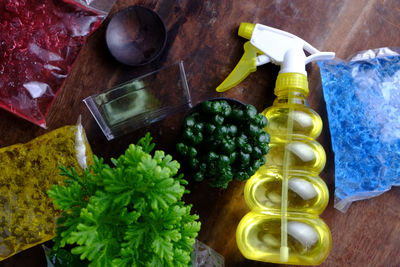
39, 42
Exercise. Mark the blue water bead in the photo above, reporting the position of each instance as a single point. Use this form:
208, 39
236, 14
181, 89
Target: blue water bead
363, 105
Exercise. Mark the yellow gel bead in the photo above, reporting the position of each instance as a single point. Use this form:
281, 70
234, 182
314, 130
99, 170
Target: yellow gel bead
27, 215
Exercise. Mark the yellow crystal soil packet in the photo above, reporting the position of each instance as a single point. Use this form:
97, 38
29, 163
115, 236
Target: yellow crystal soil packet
27, 171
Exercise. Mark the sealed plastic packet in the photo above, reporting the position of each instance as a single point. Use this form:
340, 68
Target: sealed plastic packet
39, 42
27, 214
203, 255
362, 97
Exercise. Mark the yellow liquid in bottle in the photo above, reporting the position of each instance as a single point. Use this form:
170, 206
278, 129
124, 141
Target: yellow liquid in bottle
259, 238
306, 122
303, 153
306, 193
286, 195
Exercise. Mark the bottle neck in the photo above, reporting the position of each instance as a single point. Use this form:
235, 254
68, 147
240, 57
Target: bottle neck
290, 96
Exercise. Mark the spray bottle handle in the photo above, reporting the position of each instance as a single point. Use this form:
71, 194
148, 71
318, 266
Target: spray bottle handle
246, 65
268, 44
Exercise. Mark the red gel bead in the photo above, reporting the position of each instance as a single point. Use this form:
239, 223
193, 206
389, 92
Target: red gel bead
39, 42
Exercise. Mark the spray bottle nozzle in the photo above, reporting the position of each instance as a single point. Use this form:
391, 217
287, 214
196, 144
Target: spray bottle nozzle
246, 30
268, 44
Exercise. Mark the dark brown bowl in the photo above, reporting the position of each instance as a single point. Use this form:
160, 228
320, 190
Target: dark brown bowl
136, 35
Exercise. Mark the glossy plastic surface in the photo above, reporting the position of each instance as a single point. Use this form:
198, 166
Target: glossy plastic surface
304, 153
305, 121
307, 193
259, 238
286, 195
246, 65
141, 101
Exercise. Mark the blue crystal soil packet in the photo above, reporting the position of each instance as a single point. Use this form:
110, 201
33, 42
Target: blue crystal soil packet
363, 103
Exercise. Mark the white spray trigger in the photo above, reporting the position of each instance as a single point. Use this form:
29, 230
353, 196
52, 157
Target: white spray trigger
285, 49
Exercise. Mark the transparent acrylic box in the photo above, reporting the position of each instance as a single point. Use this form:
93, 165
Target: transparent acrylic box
141, 101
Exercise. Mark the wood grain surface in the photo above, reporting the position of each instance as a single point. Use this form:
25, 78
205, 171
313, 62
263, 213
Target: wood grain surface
204, 35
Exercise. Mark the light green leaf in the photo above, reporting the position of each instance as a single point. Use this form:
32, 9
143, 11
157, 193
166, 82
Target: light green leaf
130, 214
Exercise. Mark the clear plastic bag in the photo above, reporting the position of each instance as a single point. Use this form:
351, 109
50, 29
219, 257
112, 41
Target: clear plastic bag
203, 255
39, 42
27, 214
363, 102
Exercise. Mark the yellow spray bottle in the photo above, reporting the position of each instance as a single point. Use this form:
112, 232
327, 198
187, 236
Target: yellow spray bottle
286, 195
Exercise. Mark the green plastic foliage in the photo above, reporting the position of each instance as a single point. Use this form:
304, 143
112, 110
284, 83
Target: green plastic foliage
130, 214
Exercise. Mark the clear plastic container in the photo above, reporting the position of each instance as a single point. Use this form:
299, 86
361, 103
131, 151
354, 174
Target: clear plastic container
264, 190
141, 101
259, 237
286, 194
304, 153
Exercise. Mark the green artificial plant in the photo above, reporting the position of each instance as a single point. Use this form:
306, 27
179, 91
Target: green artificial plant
128, 214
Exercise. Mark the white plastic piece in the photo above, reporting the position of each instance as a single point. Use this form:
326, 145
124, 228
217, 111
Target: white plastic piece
303, 233
285, 49
80, 146
262, 59
303, 188
303, 151
284, 253
294, 60
302, 118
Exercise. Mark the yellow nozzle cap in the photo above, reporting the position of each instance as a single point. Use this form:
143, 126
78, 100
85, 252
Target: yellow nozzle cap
246, 30
297, 81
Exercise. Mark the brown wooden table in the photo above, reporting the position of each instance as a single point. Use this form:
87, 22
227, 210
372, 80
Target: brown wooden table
204, 35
